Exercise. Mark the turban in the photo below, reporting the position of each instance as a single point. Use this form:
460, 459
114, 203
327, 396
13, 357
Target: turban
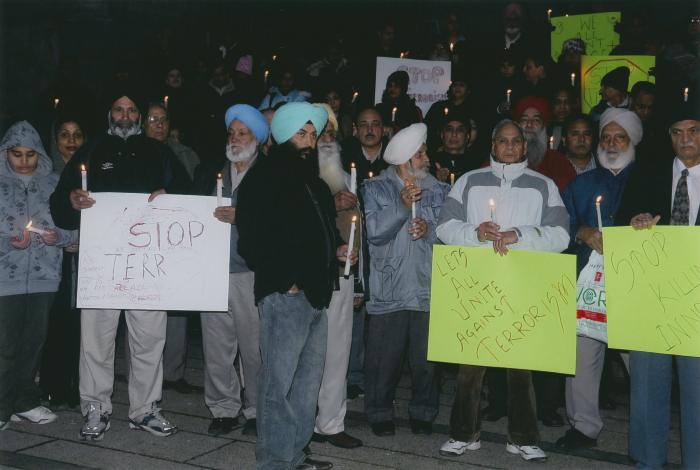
332, 120
618, 79
291, 117
129, 89
627, 119
251, 117
537, 102
405, 144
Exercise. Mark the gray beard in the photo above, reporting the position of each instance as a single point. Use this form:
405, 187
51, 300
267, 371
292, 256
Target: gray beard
242, 155
330, 166
616, 162
536, 147
418, 174
123, 129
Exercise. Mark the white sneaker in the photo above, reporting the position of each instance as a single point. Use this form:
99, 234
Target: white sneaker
155, 423
528, 453
453, 447
38, 415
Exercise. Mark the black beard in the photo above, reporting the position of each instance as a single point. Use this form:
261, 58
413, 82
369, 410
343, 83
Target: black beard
308, 159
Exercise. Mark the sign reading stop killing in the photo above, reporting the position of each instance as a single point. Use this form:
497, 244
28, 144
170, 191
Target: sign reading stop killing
169, 254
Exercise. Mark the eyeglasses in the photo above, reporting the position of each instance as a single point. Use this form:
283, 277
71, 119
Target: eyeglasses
158, 120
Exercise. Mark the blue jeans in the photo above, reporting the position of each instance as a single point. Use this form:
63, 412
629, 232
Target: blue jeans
650, 408
293, 350
356, 372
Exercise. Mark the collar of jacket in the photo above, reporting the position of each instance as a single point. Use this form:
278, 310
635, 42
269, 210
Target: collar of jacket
508, 172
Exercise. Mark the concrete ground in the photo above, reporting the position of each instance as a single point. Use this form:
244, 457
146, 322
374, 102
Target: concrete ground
58, 446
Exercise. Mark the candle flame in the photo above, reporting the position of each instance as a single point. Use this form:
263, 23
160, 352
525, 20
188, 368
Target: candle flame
549, 12
447, 110
352, 165
492, 203
509, 91
82, 167
401, 55
218, 175
274, 56
354, 218
452, 47
394, 110
55, 102
29, 225
598, 199
685, 92
371, 174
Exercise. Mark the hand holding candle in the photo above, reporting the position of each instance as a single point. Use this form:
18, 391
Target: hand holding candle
36, 230
219, 190
351, 243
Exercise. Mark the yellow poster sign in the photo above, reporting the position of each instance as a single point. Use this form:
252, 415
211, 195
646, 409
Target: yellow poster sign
593, 68
516, 311
652, 281
596, 29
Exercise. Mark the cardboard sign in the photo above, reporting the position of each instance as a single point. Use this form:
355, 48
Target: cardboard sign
652, 279
170, 254
428, 79
596, 29
593, 68
516, 311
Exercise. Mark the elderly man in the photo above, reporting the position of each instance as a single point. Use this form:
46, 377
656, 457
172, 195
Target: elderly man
578, 143
330, 420
608, 181
531, 216
224, 334
613, 92
287, 235
645, 203
533, 114
401, 209
124, 160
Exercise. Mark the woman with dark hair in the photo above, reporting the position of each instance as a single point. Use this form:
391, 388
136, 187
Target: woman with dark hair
398, 110
68, 136
333, 96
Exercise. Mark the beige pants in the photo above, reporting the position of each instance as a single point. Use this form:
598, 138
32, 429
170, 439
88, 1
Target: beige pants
146, 330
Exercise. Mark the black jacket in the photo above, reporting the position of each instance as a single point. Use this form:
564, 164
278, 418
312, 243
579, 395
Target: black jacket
286, 226
138, 164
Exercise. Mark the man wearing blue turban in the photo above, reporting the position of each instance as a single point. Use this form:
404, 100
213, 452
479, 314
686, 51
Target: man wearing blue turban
288, 236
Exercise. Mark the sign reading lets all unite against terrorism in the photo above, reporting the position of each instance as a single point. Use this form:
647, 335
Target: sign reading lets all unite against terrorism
516, 311
169, 254
596, 29
428, 79
653, 289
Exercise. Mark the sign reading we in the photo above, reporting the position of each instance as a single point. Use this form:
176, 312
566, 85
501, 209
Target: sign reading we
596, 29
516, 311
170, 254
652, 282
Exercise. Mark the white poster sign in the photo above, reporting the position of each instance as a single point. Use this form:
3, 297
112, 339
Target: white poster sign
428, 79
169, 254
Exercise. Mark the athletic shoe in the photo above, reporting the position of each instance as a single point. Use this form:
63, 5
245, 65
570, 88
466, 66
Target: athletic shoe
96, 424
155, 423
529, 453
453, 447
38, 415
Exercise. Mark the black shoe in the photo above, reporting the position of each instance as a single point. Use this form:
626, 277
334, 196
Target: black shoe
354, 391
221, 426
182, 386
311, 464
250, 428
491, 413
574, 440
421, 427
341, 439
384, 428
551, 418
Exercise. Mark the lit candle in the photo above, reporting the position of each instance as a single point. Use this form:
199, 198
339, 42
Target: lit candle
452, 47
267, 74
219, 190
34, 229
549, 13
351, 242
508, 92
452, 179
393, 114
354, 97
56, 101
83, 177
597, 210
370, 175
551, 143
685, 95
492, 209
274, 57
353, 178
446, 110
573, 79
165, 101
401, 56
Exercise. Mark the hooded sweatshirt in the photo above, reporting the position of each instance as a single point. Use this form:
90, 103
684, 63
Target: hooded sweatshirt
38, 267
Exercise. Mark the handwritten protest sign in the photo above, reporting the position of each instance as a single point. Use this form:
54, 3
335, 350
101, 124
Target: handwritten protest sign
516, 311
170, 254
593, 68
596, 29
652, 279
428, 79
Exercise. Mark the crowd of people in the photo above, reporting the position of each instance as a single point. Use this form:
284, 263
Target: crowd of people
315, 319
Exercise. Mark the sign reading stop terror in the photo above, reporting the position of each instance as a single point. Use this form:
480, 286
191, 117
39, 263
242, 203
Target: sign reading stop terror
170, 254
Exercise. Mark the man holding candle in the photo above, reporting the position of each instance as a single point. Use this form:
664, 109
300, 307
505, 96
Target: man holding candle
401, 247
592, 201
123, 160
366, 146
529, 214
666, 193
224, 334
287, 235
452, 161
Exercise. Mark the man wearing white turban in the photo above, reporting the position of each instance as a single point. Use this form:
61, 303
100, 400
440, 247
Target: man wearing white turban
620, 131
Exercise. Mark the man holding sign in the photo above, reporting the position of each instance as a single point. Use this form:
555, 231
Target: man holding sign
510, 207
646, 203
124, 160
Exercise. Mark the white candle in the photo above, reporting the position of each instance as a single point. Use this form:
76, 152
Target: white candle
446, 110
492, 209
597, 210
413, 210
401, 56
56, 101
549, 13
219, 190
351, 243
573, 79
393, 114
165, 101
83, 177
267, 74
34, 229
452, 179
452, 47
353, 178
354, 97
508, 92
551, 143
685, 95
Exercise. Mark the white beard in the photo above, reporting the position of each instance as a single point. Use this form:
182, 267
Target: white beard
123, 129
330, 166
418, 174
241, 155
536, 147
616, 162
